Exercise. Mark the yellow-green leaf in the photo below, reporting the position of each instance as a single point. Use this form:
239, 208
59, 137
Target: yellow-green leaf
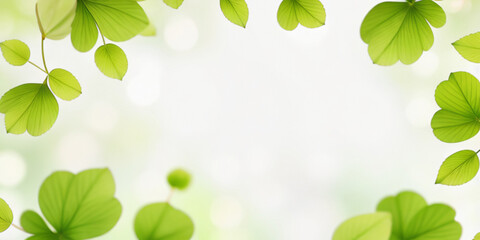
458, 168
469, 47
309, 13
236, 11
173, 3
55, 17
112, 61
15, 52
64, 84
6, 216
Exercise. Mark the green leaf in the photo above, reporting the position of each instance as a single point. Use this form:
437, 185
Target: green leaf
364, 227
179, 179
6, 216
162, 221
469, 47
477, 237
309, 13
29, 107
149, 31
400, 31
80, 206
117, 20
236, 11
173, 3
55, 17
15, 52
112, 61
84, 29
413, 219
34, 224
459, 100
64, 84
458, 168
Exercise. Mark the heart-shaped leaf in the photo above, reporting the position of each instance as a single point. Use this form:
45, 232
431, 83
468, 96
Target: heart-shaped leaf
162, 221
469, 47
6, 216
400, 31
458, 168
459, 100
15, 52
29, 107
79, 206
236, 11
64, 84
309, 13
369, 226
173, 3
55, 17
112, 61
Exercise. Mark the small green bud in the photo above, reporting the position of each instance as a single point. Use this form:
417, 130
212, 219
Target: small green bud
179, 179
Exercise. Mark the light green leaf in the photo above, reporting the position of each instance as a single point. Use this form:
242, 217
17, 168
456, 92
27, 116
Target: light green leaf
80, 206
149, 31
112, 61
469, 47
34, 224
309, 13
179, 179
64, 84
459, 98
458, 168
162, 221
400, 31
6, 216
436, 221
236, 11
55, 17
403, 208
477, 237
365, 227
84, 29
15, 52
29, 107
413, 219
173, 3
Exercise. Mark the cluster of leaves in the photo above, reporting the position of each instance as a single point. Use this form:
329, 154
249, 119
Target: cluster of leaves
459, 117
83, 206
402, 217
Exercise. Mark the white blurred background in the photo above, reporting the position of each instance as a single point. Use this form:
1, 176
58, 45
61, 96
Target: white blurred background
287, 134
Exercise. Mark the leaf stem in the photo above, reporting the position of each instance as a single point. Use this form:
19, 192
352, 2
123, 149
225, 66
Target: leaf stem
169, 197
478, 151
41, 69
18, 227
43, 54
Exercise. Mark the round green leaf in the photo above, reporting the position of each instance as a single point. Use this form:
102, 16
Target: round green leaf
458, 168
80, 206
369, 226
236, 11
34, 224
468, 47
162, 221
29, 107
309, 13
173, 3
55, 17
64, 84
15, 52
6, 216
84, 29
400, 31
459, 98
112, 61
179, 179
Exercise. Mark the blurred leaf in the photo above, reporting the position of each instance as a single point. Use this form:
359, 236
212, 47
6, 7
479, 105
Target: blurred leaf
477, 237
173, 3
309, 13
469, 47
64, 84
236, 11
400, 31
364, 227
413, 219
112, 61
15, 52
80, 206
29, 107
6, 216
179, 179
149, 31
458, 168
459, 100
34, 224
117, 20
55, 17
162, 221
